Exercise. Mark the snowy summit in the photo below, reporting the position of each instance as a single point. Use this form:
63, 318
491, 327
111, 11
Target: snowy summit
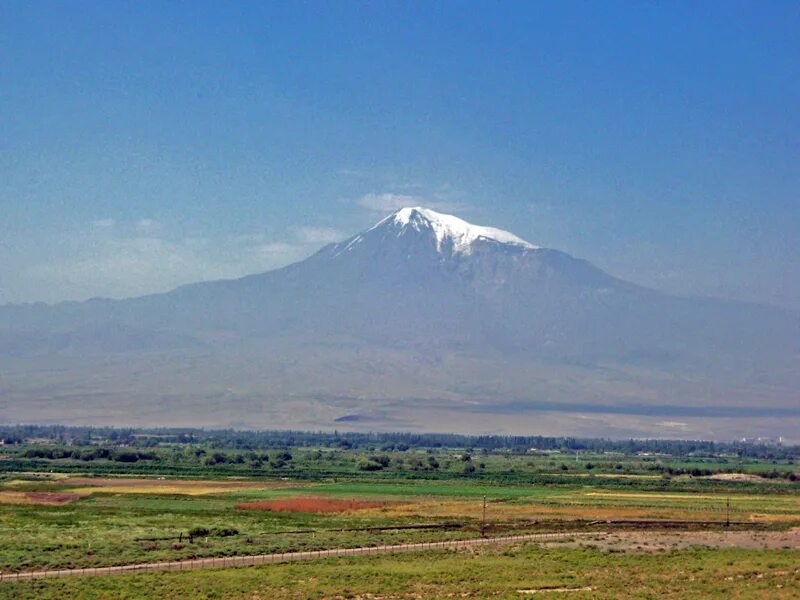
449, 231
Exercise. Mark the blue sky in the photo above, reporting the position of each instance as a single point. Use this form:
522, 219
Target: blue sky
145, 145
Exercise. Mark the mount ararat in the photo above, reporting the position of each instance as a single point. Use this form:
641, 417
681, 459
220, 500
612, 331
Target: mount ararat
422, 322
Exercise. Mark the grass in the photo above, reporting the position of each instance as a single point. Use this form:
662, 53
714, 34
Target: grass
122, 524
496, 572
144, 513
463, 488
309, 504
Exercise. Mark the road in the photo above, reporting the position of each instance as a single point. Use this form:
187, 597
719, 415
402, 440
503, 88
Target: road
260, 559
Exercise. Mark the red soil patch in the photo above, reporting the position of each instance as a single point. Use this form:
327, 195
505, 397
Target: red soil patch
50, 497
312, 504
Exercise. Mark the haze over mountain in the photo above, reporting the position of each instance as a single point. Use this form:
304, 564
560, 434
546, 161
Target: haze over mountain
423, 321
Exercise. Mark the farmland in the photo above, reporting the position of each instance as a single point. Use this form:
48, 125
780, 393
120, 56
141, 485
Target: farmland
716, 514
500, 572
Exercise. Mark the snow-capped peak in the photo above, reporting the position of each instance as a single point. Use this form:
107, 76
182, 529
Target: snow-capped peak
449, 230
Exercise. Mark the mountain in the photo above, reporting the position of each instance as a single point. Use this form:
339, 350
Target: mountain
423, 321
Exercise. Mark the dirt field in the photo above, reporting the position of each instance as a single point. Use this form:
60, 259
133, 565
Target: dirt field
312, 504
659, 541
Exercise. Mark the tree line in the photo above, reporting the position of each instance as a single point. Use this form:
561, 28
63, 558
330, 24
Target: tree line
231, 439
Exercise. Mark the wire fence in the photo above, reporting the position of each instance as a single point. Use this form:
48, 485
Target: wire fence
281, 557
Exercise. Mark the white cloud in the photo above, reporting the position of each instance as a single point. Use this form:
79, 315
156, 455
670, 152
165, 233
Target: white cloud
275, 249
147, 225
103, 223
117, 260
355, 173
318, 235
388, 202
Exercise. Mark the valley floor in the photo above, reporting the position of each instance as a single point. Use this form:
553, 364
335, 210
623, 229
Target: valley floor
628, 524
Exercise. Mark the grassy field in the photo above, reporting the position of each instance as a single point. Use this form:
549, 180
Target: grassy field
515, 571
106, 521
64, 505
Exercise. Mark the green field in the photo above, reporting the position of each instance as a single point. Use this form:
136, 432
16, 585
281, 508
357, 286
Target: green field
505, 572
70, 505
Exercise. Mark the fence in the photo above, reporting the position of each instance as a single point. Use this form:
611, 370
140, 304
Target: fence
262, 559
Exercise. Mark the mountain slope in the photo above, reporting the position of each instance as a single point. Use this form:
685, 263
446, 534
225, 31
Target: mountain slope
420, 309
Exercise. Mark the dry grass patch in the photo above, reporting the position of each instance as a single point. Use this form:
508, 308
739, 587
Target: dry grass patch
87, 486
310, 504
534, 511
749, 477
41, 498
555, 589
658, 496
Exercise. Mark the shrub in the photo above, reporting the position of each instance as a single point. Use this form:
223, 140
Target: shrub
126, 457
215, 459
369, 465
198, 532
381, 459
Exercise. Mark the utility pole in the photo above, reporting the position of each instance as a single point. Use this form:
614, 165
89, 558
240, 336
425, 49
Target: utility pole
483, 520
728, 512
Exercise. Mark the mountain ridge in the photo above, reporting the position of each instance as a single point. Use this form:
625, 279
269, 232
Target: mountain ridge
420, 306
